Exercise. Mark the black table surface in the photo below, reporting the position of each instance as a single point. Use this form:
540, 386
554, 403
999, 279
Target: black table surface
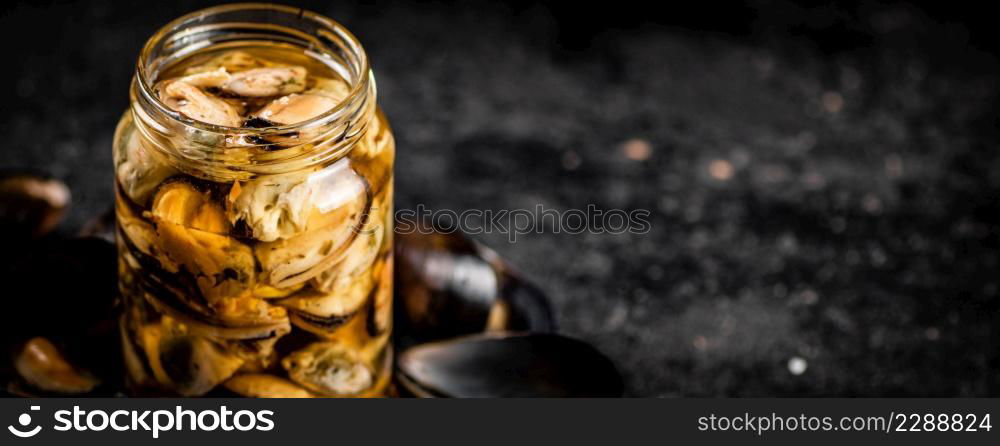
822, 182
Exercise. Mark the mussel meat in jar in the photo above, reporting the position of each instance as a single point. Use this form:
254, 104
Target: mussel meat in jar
254, 211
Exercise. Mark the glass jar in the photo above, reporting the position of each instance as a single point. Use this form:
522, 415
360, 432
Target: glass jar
255, 217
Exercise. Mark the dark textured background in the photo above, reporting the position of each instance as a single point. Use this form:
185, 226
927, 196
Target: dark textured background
822, 179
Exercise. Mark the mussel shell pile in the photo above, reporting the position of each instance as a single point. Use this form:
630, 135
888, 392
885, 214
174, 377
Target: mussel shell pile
60, 312
63, 311
469, 325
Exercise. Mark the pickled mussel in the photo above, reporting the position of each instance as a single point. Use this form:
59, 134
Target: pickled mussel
322, 96
281, 207
258, 284
192, 232
329, 368
190, 364
343, 290
298, 259
207, 79
264, 82
296, 108
138, 168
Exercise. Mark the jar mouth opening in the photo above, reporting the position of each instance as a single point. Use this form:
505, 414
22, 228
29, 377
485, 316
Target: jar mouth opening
360, 81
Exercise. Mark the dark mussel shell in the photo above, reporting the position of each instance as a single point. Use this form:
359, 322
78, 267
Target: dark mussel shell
30, 205
65, 291
447, 285
59, 286
508, 365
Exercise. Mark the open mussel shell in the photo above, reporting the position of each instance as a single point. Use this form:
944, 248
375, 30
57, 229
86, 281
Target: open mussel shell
448, 285
31, 205
500, 365
44, 370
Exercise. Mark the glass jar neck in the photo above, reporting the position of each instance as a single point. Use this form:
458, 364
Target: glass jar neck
219, 152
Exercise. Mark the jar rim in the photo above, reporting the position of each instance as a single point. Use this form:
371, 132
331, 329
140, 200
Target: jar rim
359, 88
